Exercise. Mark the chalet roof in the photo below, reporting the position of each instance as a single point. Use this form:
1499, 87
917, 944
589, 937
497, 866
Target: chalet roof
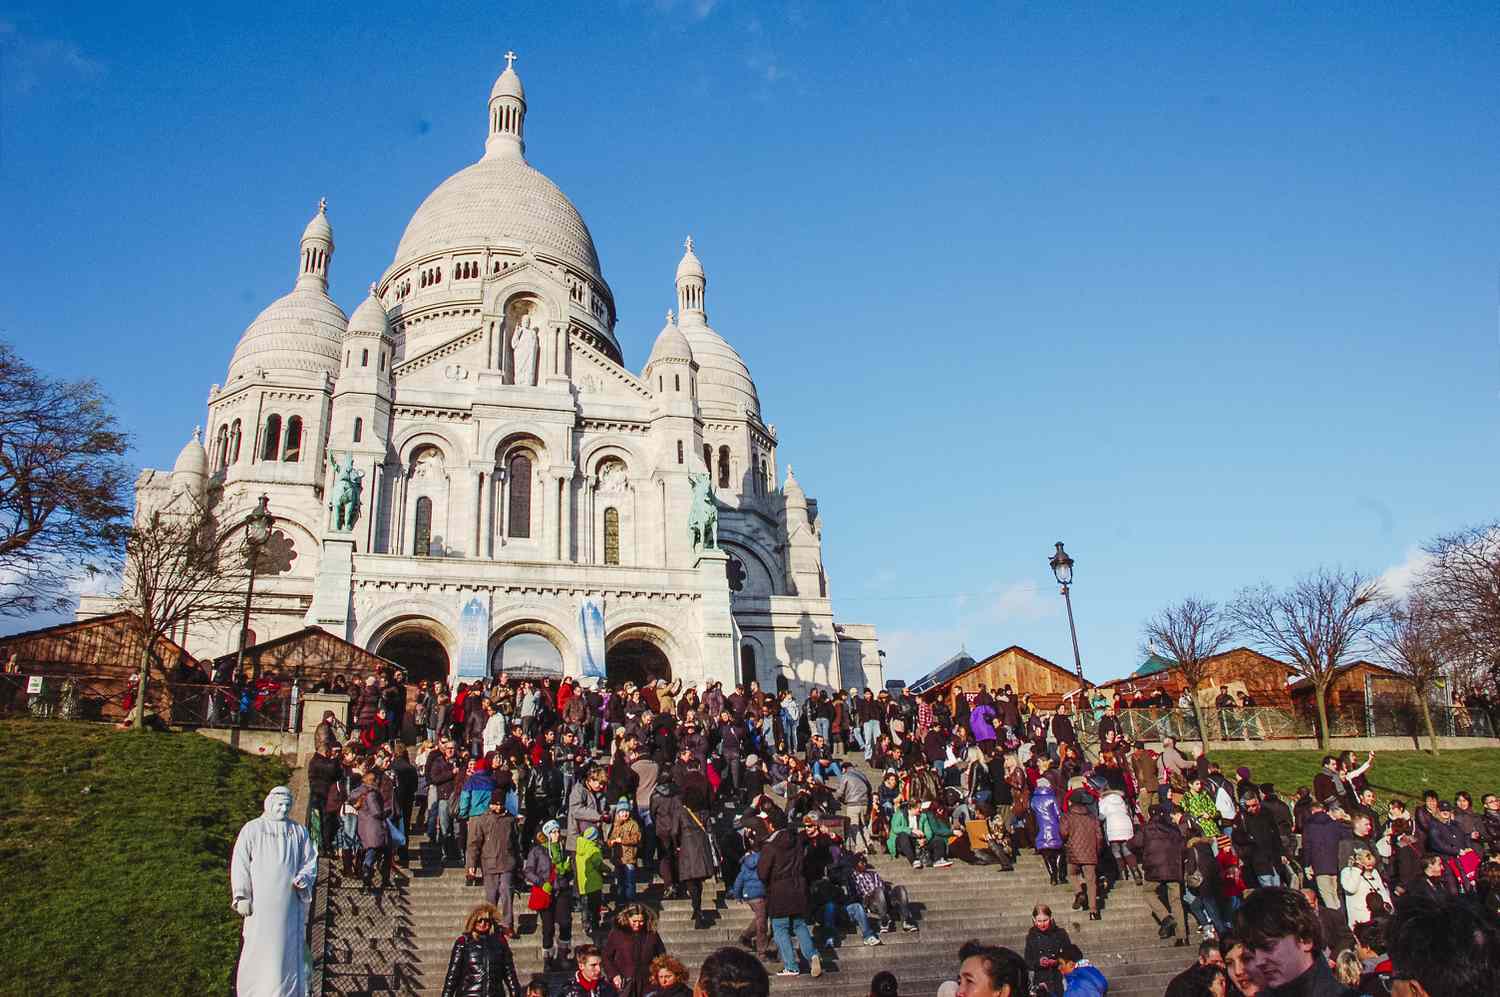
295, 636
1303, 683
953, 667
74, 626
1156, 665
961, 664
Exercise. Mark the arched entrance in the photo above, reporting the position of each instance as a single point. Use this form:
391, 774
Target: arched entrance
420, 653
526, 654
636, 660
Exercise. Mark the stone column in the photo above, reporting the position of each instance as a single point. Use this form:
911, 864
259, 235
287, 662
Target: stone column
486, 520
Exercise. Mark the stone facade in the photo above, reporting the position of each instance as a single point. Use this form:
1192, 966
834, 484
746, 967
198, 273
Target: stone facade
502, 451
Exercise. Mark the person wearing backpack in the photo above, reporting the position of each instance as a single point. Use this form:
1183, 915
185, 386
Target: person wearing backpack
1160, 844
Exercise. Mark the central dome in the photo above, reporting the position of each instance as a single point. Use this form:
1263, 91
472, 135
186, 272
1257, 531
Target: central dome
499, 202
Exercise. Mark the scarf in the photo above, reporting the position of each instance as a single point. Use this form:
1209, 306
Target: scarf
587, 986
562, 866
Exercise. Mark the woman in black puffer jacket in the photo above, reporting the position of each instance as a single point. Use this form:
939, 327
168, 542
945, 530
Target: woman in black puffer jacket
481, 964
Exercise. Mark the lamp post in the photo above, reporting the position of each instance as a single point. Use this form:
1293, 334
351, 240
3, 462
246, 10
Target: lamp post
257, 532
1062, 570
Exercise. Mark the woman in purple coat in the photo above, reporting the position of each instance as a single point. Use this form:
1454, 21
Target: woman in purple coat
370, 814
1049, 840
982, 723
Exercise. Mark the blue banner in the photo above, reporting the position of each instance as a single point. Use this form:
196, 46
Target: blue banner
591, 630
474, 640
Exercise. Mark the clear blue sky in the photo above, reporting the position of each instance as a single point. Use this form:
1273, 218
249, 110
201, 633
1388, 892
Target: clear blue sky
1210, 294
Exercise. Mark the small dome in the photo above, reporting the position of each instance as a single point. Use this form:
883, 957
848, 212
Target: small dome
319, 228
300, 331
193, 459
690, 265
723, 379
369, 319
792, 490
508, 84
671, 344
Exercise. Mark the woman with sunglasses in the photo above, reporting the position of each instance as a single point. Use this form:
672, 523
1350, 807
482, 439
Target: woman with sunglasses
481, 964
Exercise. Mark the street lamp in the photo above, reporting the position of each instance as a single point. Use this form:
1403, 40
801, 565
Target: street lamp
1062, 570
257, 532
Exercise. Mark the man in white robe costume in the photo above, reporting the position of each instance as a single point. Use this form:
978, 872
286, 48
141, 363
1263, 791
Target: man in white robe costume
271, 877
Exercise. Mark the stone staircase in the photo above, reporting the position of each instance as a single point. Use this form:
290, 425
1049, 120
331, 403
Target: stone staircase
398, 941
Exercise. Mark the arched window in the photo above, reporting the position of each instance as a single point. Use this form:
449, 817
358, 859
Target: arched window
221, 448
611, 536
679, 451
676, 382
359, 429
708, 458
291, 451
747, 665
723, 467
518, 472
755, 472
658, 383
271, 442
382, 359
421, 542
234, 442
364, 358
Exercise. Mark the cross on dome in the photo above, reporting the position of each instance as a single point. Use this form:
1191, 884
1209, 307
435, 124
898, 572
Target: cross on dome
510, 58
669, 316
688, 244
322, 205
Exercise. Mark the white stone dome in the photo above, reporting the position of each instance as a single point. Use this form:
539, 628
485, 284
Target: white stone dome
499, 202
192, 459
723, 379
508, 84
300, 331
671, 344
369, 319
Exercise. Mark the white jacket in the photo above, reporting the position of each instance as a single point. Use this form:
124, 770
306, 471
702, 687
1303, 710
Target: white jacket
1356, 885
1116, 816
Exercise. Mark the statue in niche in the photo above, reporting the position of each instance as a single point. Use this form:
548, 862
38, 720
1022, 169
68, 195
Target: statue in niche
523, 349
612, 478
344, 505
428, 464
271, 876
703, 516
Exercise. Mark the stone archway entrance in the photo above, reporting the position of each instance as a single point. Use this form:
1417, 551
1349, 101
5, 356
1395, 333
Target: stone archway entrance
637, 660
418, 652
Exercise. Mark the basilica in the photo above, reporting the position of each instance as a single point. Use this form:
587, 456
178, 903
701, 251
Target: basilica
466, 476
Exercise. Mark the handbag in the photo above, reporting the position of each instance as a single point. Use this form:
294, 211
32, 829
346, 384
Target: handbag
539, 900
393, 830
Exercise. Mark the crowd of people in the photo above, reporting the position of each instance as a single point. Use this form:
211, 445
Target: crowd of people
571, 799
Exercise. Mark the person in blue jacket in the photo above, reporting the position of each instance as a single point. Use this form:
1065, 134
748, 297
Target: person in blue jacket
1079, 978
474, 802
748, 887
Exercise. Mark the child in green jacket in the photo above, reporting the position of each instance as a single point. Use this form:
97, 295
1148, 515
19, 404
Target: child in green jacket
589, 863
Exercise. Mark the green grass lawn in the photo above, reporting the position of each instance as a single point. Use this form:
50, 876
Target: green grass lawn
114, 858
1402, 774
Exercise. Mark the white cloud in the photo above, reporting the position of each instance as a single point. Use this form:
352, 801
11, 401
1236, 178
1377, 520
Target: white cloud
32, 61
1398, 580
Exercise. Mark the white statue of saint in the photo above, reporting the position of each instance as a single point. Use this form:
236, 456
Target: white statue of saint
523, 346
271, 876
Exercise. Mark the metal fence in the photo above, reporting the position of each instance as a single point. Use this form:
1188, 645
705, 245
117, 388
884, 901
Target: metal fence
1300, 720
109, 698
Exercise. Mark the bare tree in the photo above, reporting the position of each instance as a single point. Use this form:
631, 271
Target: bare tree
1190, 633
63, 486
1410, 642
1461, 587
182, 563
1319, 625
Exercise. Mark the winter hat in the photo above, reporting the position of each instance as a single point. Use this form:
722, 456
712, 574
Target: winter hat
551, 826
1243, 772
622, 807
591, 832
752, 761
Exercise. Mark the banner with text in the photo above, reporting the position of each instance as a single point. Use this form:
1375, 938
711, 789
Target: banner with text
474, 639
591, 630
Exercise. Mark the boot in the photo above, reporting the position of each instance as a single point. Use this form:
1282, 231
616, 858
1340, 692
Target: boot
348, 863
1168, 929
1080, 901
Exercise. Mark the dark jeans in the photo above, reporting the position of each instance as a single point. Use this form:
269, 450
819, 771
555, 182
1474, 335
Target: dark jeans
558, 916
889, 904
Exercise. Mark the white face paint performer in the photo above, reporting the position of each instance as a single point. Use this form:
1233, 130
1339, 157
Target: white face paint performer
271, 876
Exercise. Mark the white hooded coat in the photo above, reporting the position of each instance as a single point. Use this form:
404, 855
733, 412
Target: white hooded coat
271, 875
1116, 816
